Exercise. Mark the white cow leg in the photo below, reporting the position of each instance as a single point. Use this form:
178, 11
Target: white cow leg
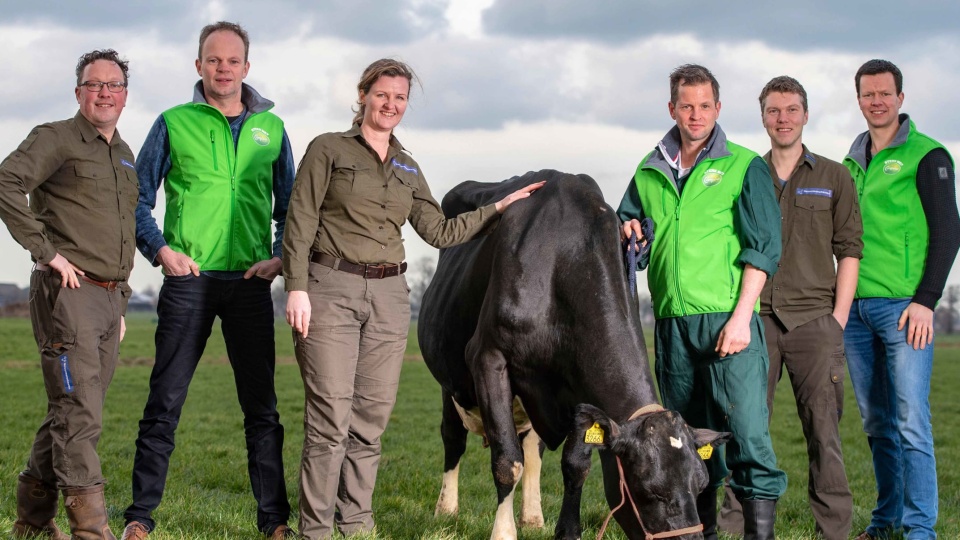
504, 528
448, 503
531, 513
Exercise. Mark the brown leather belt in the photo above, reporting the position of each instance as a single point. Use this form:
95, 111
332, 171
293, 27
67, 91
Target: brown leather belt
108, 285
369, 271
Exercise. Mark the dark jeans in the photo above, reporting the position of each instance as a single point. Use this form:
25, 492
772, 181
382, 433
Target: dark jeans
186, 311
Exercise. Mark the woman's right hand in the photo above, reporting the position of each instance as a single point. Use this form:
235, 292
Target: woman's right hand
298, 311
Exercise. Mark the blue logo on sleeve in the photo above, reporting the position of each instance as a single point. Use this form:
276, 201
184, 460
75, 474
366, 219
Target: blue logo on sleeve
819, 192
407, 168
65, 374
127, 163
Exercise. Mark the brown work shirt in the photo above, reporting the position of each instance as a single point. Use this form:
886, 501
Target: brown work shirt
349, 204
820, 220
82, 197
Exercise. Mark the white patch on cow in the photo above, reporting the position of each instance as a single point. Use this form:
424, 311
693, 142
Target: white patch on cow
448, 503
473, 422
676, 443
504, 527
531, 513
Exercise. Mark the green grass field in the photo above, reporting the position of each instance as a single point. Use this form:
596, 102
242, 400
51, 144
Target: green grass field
208, 493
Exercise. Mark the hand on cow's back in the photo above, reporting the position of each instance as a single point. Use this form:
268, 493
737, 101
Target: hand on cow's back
521, 193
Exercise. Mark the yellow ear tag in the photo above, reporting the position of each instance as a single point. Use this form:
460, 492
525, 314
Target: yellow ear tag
594, 435
705, 451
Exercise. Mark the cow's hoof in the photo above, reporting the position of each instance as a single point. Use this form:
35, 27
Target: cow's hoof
532, 522
445, 510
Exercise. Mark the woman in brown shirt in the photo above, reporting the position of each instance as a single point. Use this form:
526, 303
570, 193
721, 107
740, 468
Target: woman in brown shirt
347, 297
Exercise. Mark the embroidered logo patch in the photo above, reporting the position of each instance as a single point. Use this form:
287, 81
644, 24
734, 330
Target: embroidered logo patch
407, 168
819, 192
892, 166
127, 163
260, 136
65, 374
712, 177
942, 171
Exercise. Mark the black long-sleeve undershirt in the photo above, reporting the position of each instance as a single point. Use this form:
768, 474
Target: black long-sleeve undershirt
938, 196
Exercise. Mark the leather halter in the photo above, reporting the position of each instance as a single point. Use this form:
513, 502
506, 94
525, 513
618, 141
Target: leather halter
625, 493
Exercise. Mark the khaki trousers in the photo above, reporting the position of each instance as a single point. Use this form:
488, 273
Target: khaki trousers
78, 336
350, 364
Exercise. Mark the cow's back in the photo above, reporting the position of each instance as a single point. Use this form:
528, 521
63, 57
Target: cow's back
546, 286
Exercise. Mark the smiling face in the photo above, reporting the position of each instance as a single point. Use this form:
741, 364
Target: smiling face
784, 118
103, 108
879, 101
696, 112
385, 103
222, 66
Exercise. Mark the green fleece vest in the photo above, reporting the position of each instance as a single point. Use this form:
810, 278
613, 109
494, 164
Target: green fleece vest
895, 232
220, 196
692, 262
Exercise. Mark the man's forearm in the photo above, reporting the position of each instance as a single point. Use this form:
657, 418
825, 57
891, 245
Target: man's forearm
848, 269
751, 283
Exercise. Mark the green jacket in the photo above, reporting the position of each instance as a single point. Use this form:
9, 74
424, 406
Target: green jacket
895, 232
693, 262
219, 196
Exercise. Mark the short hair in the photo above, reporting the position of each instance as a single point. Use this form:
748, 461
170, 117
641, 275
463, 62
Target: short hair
102, 54
227, 26
784, 85
384, 67
690, 75
876, 67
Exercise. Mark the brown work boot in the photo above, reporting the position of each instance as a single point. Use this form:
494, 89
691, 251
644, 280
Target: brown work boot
282, 532
135, 531
864, 536
87, 513
36, 508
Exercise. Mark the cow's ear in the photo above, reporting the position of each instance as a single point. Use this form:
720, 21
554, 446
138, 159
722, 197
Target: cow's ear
593, 427
708, 436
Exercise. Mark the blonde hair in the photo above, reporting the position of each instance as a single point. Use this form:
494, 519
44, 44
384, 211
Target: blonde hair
383, 67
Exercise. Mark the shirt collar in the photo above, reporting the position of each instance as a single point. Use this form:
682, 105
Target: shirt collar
89, 132
354, 132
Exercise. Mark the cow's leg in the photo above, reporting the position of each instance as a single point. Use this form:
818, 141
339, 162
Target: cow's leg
489, 370
575, 466
454, 437
531, 513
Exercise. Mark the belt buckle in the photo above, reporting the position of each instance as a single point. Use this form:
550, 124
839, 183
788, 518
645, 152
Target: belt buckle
111, 286
373, 271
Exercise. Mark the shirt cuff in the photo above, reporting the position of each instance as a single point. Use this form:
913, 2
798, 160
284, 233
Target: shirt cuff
758, 260
926, 299
294, 284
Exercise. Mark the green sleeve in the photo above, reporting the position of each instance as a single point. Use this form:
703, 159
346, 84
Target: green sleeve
757, 218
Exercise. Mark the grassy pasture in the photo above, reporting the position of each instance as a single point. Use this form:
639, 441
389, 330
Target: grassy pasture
208, 494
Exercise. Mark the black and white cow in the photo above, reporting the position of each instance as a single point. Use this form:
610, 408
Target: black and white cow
535, 317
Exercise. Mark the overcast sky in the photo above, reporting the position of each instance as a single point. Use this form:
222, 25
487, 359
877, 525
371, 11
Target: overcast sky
507, 86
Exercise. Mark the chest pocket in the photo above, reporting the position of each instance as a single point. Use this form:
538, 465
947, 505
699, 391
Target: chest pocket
402, 185
350, 175
129, 189
813, 214
94, 185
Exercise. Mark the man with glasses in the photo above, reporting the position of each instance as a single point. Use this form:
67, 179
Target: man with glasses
224, 159
79, 229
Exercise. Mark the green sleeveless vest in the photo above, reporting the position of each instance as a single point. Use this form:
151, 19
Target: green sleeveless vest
692, 269
895, 232
220, 196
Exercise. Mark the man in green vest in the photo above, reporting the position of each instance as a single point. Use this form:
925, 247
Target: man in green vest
717, 239
911, 234
227, 169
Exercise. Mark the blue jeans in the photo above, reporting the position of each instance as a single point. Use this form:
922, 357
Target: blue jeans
892, 383
187, 308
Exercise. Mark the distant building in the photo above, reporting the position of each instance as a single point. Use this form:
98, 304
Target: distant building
12, 294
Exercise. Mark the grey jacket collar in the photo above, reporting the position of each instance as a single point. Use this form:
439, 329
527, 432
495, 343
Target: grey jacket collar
669, 146
858, 150
252, 101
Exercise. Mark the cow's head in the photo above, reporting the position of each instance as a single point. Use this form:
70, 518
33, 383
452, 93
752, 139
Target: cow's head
662, 467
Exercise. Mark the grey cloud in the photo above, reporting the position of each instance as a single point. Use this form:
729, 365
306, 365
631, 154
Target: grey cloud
364, 21
816, 24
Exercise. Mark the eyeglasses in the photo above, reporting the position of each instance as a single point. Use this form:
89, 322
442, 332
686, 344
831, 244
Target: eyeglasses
95, 86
